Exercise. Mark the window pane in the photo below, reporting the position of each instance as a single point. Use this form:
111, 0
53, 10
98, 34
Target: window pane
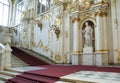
48, 4
19, 11
5, 15
4, 1
1, 9
43, 5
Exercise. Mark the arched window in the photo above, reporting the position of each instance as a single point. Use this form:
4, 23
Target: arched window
43, 5
4, 10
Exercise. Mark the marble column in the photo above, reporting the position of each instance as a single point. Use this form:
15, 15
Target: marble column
77, 44
101, 49
12, 12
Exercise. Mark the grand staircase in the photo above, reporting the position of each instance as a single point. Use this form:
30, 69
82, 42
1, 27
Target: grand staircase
16, 62
30, 57
23, 58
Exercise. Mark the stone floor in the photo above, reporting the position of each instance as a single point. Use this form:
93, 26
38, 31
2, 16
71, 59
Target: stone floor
79, 77
93, 76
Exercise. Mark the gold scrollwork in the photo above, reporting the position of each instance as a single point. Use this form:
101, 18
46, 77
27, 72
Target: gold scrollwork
39, 24
51, 54
66, 57
57, 57
101, 14
57, 32
42, 46
76, 19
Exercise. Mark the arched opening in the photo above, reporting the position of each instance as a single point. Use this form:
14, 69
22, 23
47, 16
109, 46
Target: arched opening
88, 34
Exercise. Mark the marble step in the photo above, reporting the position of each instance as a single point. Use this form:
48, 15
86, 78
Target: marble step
1, 81
13, 70
16, 62
5, 77
62, 82
9, 73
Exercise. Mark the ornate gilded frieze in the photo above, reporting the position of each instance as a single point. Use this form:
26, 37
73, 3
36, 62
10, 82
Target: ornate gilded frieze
86, 6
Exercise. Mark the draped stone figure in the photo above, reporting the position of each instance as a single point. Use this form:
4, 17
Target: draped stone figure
88, 35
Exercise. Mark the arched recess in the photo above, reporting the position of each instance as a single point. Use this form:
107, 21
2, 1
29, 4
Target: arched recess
92, 23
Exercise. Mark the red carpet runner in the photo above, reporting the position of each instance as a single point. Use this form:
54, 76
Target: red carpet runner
29, 59
52, 73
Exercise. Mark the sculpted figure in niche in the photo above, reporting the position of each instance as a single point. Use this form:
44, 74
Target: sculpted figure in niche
88, 35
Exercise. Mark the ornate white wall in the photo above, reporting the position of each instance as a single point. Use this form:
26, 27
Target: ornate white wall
52, 33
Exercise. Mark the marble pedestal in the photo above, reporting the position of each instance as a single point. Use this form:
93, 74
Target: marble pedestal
88, 56
101, 58
76, 59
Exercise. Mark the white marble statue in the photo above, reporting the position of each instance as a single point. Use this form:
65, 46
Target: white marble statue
1, 46
88, 35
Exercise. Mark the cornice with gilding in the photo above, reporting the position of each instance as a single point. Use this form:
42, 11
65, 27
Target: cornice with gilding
102, 6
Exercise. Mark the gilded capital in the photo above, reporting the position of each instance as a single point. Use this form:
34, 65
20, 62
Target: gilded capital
101, 14
76, 19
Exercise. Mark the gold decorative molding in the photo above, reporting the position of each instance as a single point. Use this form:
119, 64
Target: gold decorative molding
75, 18
57, 58
85, 4
65, 6
56, 30
66, 57
101, 14
74, 6
101, 50
76, 52
39, 24
42, 46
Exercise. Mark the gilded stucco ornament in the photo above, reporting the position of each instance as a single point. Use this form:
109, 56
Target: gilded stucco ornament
42, 46
39, 23
56, 30
66, 57
51, 54
57, 58
75, 5
85, 4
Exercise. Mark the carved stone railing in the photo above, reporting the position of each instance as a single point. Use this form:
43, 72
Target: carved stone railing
5, 57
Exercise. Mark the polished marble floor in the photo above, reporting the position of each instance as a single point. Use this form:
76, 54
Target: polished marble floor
93, 76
